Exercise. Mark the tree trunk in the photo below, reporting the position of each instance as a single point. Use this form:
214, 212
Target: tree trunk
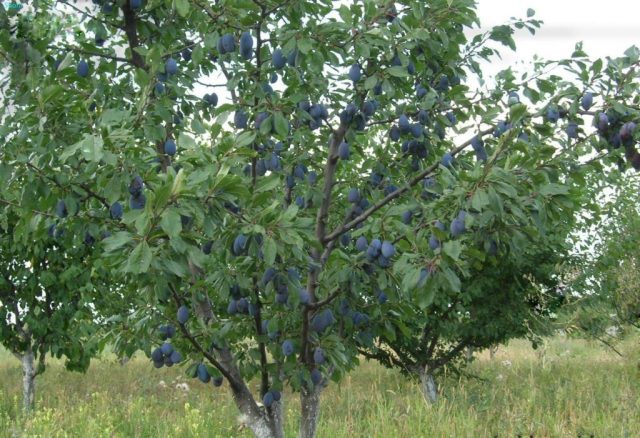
28, 381
492, 351
309, 412
263, 422
428, 386
469, 354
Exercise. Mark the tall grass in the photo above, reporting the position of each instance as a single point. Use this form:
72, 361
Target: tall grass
577, 389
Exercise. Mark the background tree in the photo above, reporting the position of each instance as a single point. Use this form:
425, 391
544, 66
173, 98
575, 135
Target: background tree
45, 300
605, 300
246, 235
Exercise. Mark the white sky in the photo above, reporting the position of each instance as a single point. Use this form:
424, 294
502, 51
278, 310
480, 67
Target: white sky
607, 28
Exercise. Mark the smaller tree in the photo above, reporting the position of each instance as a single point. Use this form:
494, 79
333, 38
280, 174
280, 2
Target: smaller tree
604, 281
45, 306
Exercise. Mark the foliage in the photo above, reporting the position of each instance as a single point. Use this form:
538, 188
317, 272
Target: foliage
299, 225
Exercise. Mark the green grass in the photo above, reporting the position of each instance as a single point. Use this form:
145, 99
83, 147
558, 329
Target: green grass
578, 388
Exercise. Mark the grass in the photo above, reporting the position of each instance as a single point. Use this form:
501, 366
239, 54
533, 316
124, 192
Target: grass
577, 389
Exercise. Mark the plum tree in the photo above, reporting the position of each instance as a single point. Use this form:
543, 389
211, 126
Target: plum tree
45, 291
238, 189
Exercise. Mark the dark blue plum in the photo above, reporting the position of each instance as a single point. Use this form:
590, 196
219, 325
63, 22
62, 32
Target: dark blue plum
227, 43
176, 357
183, 314
447, 159
404, 124
166, 349
343, 151
210, 99
137, 202
457, 227
240, 119
170, 147
304, 296
434, 243
354, 196
420, 91
269, 274
287, 348
318, 356
267, 399
61, 209
239, 244
246, 45
394, 133
362, 244
355, 73
136, 185
552, 114
83, 69
232, 308
157, 355
277, 59
203, 373
242, 305
572, 130
587, 101
171, 66
316, 376
387, 249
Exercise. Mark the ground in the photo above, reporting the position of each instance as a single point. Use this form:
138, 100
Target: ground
576, 389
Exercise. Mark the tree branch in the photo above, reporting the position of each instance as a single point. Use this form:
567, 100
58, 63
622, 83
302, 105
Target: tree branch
395, 194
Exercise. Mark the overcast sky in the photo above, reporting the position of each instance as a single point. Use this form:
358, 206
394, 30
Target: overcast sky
607, 28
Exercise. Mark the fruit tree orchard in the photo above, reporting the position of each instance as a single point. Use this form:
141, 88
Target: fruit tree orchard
355, 186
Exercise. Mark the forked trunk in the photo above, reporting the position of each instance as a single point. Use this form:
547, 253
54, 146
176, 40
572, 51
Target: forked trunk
309, 412
428, 386
275, 419
28, 381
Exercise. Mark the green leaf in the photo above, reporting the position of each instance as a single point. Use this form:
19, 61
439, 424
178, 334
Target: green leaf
452, 278
198, 127
530, 13
267, 183
281, 124
553, 189
185, 141
117, 241
425, 297
305, 45
479, 200
90, 147
245, 138
452, 248
517, 112
171, 223
269, 250
139, 259
398, 71
182, 6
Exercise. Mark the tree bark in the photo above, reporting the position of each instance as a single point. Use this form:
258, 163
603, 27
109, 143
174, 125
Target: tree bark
309, 412
28, 381
469, 354
428, 386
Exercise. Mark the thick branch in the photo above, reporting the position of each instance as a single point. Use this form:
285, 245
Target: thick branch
132, 35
